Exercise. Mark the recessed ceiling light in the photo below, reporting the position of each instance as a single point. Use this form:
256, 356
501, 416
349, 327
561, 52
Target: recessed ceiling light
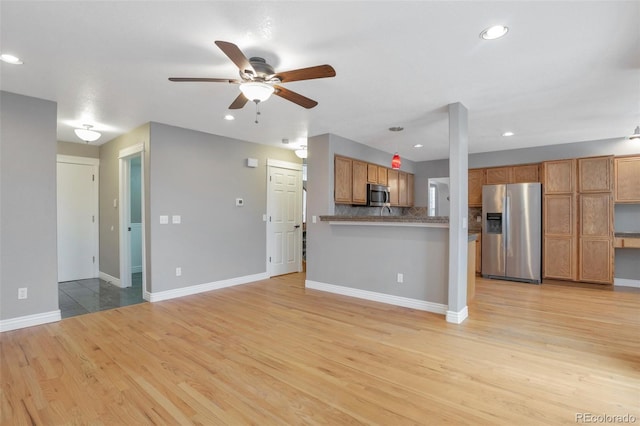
396, 129
494, 32
229, 117
508, 134
10, 59
418, 145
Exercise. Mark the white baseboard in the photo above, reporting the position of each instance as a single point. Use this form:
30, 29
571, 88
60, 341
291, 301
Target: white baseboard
624, 282
30, 320
201, 288
406, 302
457, 317
112, 280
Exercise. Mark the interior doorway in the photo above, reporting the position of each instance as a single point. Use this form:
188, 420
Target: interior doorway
284, 221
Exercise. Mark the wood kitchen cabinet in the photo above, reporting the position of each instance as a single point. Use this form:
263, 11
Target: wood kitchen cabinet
474, 188
595, 174
402, 189
498, 175
479, 254
526, 173
596, 238
393, 184
559, 176
627, 179
372, 173
578, 219
382, 175
410, 189
343, 181
359, 191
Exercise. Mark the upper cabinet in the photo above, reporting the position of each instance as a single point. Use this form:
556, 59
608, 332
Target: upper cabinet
497, 175
559, 177
627, 179
476, 180
343, 181
351, 177
526, 173
595, 174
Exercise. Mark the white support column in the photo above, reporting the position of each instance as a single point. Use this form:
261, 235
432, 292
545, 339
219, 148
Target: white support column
458, 226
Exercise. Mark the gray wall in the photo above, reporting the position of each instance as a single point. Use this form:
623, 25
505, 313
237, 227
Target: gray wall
356, 257
109, 190
198, 176
28, 248
78, 149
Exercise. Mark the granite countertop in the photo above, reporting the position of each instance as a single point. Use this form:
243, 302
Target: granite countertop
390, 219
627, 234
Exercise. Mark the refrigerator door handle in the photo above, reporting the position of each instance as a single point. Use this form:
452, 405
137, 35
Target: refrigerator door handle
506, 225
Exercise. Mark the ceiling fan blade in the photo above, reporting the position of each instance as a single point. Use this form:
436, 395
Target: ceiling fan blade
237, 57
320, 71
294, 97
206, 80
239, 102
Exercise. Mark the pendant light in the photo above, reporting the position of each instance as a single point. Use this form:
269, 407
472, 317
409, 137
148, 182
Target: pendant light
636, 134
396, 161
87, 134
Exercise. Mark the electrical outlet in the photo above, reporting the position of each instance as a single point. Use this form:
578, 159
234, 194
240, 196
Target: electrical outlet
400, 277
22, 293
178, 271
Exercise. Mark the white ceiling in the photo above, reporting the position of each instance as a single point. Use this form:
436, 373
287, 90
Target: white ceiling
565, 72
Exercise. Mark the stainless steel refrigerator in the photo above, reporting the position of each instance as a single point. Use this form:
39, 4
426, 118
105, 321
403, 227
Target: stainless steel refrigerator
512, 232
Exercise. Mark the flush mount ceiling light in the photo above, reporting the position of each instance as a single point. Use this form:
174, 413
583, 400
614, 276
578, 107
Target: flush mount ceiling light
302, 152
10, 59
229, 117
87, 134
256, 91
418, 145
506, 134
494, 32
636, 134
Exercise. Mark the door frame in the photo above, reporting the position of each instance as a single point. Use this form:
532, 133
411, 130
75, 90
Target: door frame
95, 165
271, 163
124, 192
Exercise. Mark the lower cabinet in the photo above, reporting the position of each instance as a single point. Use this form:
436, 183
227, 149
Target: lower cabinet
596, 260
560, 258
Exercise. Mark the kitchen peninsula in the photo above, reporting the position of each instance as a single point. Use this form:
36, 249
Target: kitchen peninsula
401, 260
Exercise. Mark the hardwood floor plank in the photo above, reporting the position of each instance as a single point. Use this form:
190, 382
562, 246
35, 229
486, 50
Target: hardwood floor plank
274, 353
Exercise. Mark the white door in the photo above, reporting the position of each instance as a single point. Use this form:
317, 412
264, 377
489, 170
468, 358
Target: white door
77, 221
285, 220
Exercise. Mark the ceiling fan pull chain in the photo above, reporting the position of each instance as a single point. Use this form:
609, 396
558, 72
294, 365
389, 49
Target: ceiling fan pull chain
257, 111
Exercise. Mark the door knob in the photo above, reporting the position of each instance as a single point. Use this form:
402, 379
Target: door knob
297, 226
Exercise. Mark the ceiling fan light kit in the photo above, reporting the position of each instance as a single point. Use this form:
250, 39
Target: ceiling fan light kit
302, 152
636, 134
87, 134
256, 91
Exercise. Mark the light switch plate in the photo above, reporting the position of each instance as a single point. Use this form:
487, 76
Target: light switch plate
176, 219
164, 219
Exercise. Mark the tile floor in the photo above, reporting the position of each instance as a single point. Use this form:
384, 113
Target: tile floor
92, 295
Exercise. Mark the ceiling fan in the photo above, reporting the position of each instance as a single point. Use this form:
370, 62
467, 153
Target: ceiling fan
258, 80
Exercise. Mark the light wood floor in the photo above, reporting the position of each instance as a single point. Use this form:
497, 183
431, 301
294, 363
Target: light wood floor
274, 353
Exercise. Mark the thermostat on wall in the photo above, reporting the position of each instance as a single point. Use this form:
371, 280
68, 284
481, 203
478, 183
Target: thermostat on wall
252, 162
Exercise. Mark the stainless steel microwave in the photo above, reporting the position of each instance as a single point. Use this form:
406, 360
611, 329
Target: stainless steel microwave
378, 195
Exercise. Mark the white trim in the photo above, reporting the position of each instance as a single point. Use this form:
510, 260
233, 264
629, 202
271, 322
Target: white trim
77, 160
625, 282
201, 288
131, 150
110, 279
390, 299
458, 317
30, 320
283, 164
